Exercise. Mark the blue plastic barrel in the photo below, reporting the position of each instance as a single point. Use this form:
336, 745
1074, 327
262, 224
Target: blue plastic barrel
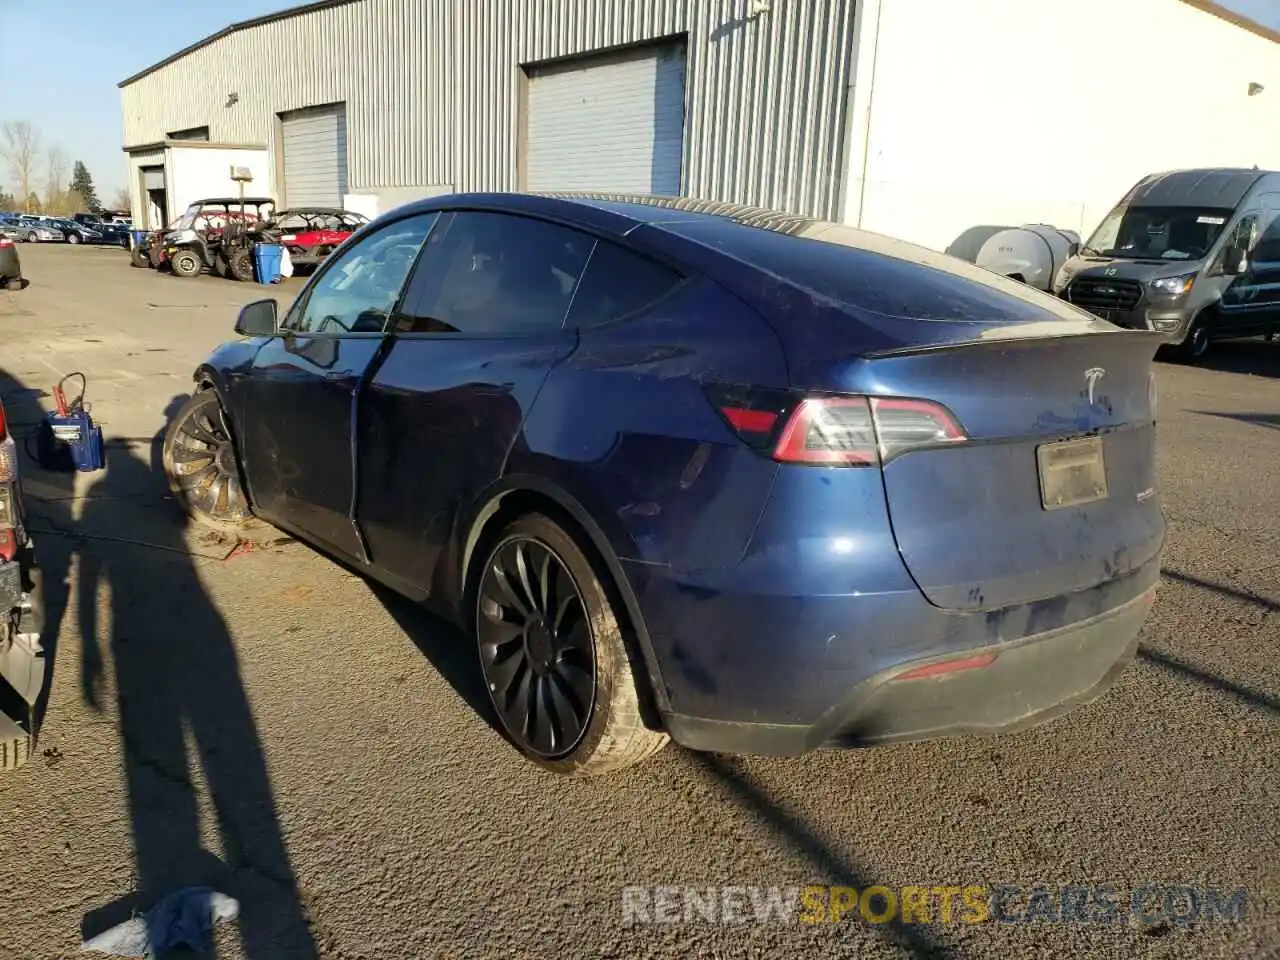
267, 258
139, 237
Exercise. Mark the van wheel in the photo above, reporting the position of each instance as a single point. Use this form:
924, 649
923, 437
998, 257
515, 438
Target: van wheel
1196, 343
553, 657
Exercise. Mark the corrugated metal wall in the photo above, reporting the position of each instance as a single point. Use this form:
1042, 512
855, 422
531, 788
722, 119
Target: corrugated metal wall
433, 87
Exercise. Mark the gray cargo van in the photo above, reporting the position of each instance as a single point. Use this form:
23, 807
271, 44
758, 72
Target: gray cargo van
1191, 254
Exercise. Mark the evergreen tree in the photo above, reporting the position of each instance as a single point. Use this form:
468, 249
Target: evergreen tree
82, 185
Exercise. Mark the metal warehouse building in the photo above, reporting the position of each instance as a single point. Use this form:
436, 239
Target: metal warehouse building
917, 118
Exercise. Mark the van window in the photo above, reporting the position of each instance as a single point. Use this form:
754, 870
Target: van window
1158, 233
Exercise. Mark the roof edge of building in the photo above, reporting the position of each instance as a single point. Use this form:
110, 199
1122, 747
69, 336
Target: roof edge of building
285, 14
197, 144
1216, 9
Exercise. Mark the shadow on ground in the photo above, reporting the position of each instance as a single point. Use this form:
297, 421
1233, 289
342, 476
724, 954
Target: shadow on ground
1256, 357
159, 647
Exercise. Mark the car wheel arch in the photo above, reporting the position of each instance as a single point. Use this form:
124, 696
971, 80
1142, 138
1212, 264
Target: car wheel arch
519, 495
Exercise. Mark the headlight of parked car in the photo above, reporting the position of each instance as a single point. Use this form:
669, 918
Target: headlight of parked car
1173, 287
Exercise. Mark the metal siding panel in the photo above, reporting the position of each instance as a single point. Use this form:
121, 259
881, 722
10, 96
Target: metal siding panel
613, 124
315, 157
432, 87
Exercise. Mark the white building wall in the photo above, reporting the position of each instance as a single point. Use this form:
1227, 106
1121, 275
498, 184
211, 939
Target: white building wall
193, 173
433, 88
1009, 111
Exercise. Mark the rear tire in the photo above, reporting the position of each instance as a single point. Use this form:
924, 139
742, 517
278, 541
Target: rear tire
560, 674
185, 263
73, 238
14, 284
241, 266
138, 257
32, 238
202, 468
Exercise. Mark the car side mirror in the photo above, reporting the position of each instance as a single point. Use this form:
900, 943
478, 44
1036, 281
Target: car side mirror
1235, 261
258, 319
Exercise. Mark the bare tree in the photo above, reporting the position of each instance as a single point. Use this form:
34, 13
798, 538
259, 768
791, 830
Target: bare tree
20, 145
57, 198
122, 200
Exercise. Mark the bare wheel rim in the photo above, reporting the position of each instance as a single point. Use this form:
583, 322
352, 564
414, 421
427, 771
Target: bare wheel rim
203, 464
536, 648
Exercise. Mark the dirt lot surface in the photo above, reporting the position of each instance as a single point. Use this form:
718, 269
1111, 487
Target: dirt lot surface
269, 724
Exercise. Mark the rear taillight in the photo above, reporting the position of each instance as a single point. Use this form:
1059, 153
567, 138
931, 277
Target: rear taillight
5, 242
904, 424
832, 430
835, 431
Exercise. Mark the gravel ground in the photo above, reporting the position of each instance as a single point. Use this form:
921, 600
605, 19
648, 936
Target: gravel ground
270, 724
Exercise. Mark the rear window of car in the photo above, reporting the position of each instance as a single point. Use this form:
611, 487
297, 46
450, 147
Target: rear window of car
617, 284
877, 274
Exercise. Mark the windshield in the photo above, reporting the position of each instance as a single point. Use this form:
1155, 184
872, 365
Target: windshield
1158, 233
189, 218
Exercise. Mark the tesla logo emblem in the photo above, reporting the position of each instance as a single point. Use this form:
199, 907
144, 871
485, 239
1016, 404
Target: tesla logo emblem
1091, 377
1110, 271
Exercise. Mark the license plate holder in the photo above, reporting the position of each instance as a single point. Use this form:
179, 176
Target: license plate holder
1072, 472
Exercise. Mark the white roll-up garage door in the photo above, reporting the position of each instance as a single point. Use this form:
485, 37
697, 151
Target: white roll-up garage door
610, 123
315, 156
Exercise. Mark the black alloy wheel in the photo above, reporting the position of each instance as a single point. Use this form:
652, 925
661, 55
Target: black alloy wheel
201, 465
536, 648
560, 671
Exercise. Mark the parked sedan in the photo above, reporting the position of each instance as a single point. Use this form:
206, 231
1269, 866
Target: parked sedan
10, 229
35, 230
751, 481
76, 233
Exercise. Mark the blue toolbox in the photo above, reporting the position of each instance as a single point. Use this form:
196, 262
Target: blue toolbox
69, 440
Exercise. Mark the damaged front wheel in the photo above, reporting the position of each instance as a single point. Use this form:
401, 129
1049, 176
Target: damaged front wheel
201, 466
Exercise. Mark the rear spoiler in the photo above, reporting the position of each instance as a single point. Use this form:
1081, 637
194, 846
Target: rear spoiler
993, 339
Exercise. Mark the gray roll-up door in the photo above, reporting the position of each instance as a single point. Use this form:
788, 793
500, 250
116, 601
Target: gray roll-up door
315, 156
610, 123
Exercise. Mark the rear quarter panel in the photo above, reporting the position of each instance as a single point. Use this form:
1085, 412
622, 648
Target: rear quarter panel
624, 428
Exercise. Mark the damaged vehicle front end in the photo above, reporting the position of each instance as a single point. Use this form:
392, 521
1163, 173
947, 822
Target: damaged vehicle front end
23, 673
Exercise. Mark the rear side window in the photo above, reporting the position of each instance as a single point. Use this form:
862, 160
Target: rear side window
618, 283
495, 273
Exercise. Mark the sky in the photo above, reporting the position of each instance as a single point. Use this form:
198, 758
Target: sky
89, 46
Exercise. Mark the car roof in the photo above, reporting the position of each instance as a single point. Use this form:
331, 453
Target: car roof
617, 213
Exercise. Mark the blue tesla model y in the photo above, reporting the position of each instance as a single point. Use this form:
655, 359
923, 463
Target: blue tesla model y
680, 469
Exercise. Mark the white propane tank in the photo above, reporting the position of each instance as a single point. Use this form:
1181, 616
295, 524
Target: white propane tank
1032, 253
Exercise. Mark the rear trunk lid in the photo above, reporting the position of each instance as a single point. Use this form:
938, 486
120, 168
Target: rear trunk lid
1054, 491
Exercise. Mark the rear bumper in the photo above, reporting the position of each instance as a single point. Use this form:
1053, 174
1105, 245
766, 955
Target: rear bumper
1032, 679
